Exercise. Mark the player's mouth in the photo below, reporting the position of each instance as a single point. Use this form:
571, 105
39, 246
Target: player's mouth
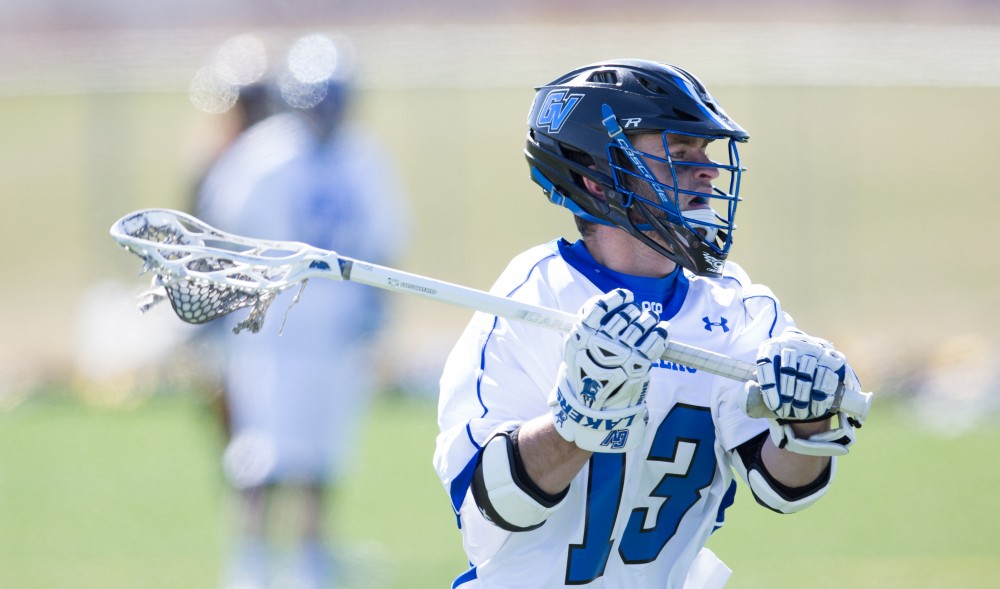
693, 201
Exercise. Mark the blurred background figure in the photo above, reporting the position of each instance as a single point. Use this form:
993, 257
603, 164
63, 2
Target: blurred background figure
296, 393
235, 84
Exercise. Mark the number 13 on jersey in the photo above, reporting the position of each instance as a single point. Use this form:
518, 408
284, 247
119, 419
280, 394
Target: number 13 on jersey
685, 442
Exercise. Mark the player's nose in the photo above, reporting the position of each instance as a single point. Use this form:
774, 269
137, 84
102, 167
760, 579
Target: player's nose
708, 171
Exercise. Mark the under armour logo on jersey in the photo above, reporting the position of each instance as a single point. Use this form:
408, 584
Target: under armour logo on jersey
556, 109
590, 389
709, 324
616, 439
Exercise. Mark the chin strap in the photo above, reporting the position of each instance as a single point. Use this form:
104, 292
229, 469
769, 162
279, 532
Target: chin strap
706, 220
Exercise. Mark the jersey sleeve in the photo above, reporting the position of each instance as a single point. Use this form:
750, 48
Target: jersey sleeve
498, 375
762, 318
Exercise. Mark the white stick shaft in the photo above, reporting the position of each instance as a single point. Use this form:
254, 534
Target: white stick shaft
312, 262
854, 403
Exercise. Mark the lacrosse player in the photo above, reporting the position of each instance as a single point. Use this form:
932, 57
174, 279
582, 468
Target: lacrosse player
296, 392
586, 460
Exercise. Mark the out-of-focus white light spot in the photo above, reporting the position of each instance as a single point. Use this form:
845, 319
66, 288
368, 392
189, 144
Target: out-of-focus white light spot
299, 94
210, 93
313, 59
241, 60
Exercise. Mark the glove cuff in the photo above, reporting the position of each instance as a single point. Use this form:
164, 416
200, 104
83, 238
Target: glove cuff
835, 442
610, 430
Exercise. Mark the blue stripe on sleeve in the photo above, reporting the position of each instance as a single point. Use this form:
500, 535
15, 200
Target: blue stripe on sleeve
465, 577
496, 320
774, 303
460, 484
727, 501
482, 368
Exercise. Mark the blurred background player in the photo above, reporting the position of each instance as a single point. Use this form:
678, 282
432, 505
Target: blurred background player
235, 84
296, 393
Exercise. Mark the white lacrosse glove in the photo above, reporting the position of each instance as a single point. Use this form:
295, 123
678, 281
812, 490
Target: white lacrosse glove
599, 402
799, 378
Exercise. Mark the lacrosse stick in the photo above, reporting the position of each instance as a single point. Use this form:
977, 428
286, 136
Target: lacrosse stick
207, 273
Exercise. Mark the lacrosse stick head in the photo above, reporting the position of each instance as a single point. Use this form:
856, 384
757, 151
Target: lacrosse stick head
207, 273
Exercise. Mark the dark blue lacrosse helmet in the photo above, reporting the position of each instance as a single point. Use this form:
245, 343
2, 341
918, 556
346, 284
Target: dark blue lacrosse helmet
581, 126
236, 80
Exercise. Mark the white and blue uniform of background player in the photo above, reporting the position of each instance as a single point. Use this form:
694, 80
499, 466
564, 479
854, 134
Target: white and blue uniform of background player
296, 397
658, 446
296, 392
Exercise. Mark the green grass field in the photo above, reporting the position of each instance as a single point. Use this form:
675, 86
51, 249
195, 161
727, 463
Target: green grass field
133, 497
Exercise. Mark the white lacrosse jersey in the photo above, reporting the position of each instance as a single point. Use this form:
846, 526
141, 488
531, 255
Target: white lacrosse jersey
298, 388
629, 521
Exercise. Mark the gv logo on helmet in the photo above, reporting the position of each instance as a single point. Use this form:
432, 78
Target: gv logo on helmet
557, 106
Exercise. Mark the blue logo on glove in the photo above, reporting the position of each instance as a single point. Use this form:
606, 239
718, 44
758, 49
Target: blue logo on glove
616, 439
589, 393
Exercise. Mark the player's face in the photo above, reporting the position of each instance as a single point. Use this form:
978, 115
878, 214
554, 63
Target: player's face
691, 178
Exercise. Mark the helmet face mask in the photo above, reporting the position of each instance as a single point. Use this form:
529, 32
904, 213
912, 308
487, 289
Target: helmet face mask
693, 220
582, 126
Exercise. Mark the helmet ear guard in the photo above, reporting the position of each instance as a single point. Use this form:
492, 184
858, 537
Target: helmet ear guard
556, 197
562, 184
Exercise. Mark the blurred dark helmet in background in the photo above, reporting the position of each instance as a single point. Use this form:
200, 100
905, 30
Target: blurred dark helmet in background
236, 77
317, 79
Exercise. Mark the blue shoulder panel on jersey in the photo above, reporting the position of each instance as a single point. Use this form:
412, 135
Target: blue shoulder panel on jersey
669, 292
